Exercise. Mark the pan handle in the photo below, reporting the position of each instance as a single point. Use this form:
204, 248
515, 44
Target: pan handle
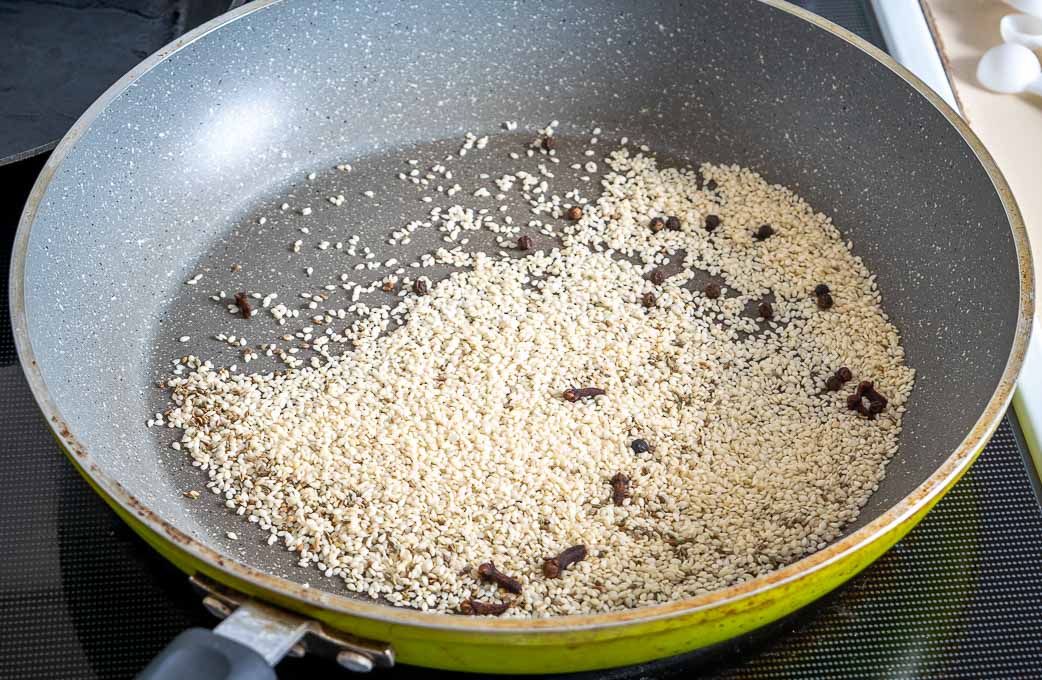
204, 655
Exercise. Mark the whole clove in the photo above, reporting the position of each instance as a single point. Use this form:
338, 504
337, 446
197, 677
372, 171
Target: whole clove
488, 572
620, 488
473, 607
867, 391
553, 566
242, 301
577, 393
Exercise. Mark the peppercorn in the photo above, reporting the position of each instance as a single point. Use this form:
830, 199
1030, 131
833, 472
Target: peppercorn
525, 243
712, 222
825, 301
766, 311
833, 384
657, 224
764, 232
658, 277
673, 223
419, 286
821, 289
844, 374
711, 185
574, 213
640, 446
712, 291
648, 299
549, 143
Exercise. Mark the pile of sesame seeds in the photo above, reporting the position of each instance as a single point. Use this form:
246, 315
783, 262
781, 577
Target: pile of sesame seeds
687, 437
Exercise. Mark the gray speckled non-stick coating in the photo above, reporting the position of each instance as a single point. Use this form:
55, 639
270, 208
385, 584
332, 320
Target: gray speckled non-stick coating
168, 180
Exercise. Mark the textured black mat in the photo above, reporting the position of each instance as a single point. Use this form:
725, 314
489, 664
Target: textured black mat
961, 597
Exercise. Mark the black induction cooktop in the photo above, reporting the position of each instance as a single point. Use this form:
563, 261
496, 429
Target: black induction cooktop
81, 596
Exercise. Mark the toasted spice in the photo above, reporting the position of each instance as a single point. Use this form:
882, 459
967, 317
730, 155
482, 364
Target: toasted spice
657, 224
673, 223
620, 488
712, 222
420, 287
844, 374
710, 185
242, 301
640, 446
765, 231
648, 299
488, 572
575, 213
658, 277
712, 291
472, 607
833, 384
867, 391
825, 301
553, 566
576, 393
525, 243
388, 286
766, 310
549, 143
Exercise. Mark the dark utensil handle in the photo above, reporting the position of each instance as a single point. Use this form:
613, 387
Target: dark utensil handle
200, 654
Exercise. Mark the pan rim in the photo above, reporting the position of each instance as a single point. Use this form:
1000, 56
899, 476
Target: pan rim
919, 499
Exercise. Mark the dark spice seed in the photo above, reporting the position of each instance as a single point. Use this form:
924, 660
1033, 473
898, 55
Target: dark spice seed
673, 223
525, 243
549, 143
658, 277
844, 374
242, 300
473, 607
640, 446
711, 185
574, 394
821, 289
657, 224
648, 300
575, 213
419, 286
833, 384
766, 311
620, 488
712, 222
489, 572
712, 291
553, 566
764, 232
825, 301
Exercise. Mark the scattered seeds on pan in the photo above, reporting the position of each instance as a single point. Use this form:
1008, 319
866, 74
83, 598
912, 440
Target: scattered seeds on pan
441, 436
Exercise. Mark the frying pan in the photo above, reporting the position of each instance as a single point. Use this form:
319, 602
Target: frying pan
165, 176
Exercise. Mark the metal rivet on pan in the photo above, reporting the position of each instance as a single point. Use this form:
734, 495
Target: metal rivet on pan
353, 661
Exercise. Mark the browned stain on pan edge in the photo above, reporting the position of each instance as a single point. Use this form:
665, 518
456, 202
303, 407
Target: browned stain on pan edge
883, 531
